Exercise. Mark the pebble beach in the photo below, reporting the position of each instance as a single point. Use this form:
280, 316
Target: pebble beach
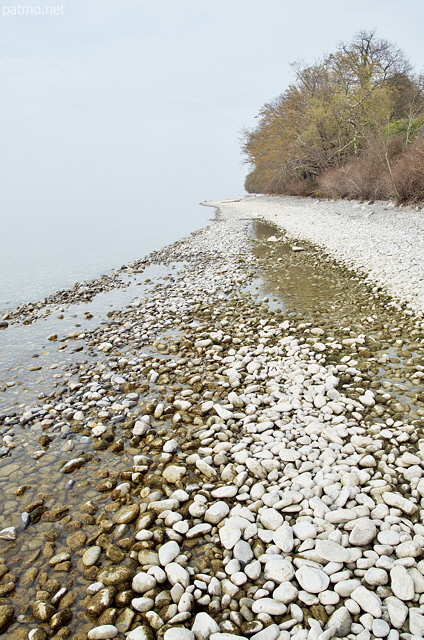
239, 451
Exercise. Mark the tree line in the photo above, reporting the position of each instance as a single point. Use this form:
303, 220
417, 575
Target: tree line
349, 126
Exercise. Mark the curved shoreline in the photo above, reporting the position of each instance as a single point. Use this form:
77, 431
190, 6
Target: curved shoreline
222, 468
384, 243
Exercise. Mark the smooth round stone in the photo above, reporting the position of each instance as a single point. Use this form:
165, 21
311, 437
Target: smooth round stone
229, 536
304, 531
289, 455
42, 611
115, 575
376, 577
104, 632
283, 538
171, 445
342, 621
204, 625
409, 549
416, 622
126, 514
141, 633
269, 606
173, 473
271, 519
363, 532
286, 592
179, 633
278, 570
380, 628
397, 610
217, 512
168, 552
312, 580
148, 557
177, 574
6, 615
143, 582
388, 536
225, 492
401, 583
142, 604
91, 556
329, 597
332, 551
239, 578
243, 552
367, 600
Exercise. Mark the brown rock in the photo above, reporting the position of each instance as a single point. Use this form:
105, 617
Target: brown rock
126, 514
76, 540
42, 611
6, 615
61, 619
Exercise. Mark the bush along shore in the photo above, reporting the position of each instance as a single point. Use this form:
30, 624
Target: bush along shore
225, 468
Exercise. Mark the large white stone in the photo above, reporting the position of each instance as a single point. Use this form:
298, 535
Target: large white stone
204, 626
269, 633
283, 538
401, 583
104, 632
177, 574
399, 502
312, 580
173, 473
269, 606
142, 604
229, 536
217, 512
397, 610
304, 530
388, 536
367, 600
243, 552
168, 552
286, 592
340, 622
416, 622
332, 551
143, 582
179, 633
363, 532
278, 570
271, 519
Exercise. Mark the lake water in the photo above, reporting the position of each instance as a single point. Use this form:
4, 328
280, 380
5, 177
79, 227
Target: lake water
40, 254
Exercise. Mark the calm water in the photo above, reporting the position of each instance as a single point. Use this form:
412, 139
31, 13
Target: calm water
40, 254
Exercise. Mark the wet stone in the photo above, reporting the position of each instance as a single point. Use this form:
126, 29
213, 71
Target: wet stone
115, 575
126, 514
6, 616
42, 611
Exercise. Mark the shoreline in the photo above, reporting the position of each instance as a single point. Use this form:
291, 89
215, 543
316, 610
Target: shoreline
224, 467
382, 242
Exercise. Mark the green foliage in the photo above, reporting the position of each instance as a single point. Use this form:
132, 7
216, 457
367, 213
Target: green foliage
407, 128
363, 92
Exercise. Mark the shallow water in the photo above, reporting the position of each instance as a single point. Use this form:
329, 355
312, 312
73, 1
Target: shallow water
308, 285
26, 347
309, 289
39, 255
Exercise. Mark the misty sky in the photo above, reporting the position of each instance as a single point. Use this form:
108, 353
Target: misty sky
115, 104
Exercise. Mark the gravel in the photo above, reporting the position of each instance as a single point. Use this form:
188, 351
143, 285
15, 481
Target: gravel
377, 238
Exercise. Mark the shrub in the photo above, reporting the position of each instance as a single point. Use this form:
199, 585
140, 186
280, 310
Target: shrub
408, 173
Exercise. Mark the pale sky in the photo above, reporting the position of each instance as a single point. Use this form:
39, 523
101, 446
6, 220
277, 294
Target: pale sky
110, 105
